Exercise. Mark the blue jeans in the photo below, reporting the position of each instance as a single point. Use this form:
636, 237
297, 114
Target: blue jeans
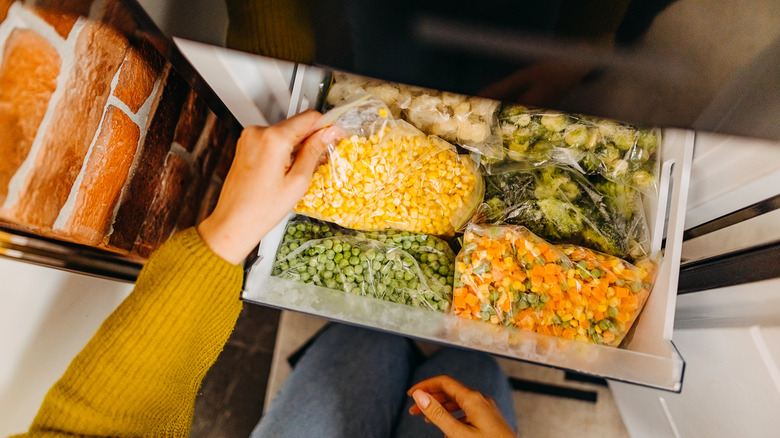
352, 382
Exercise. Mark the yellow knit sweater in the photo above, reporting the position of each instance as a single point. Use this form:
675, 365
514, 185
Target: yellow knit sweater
139, 374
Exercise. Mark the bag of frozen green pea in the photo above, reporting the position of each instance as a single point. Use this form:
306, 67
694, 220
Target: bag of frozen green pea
401, 267
619, 152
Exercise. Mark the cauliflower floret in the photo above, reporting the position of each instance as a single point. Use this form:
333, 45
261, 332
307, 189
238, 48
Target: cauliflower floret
462, 110
472, 132
384, 92
445, 129
483, 107
451, 99
424, 102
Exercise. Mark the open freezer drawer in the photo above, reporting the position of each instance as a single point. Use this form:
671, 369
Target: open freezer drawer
647, 356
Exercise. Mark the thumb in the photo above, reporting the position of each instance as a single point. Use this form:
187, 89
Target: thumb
435, 412
310, 152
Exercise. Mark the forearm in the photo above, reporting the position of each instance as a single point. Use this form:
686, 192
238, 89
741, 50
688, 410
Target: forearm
140, 373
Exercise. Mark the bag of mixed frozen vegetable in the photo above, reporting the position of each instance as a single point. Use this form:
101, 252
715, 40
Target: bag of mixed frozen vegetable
386, 174
621, 153
470, 122
402, 267
507, 275
559, 204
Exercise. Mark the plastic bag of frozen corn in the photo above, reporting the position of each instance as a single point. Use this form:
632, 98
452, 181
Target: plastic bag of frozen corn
396, 266
467, 121
507, 275
386, 174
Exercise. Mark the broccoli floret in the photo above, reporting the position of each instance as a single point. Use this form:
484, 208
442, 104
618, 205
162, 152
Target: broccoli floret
564, 219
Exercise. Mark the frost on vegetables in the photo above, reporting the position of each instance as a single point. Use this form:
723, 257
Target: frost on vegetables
561, 205
401, 267
390, 175
467, 121
621, 153
507, 275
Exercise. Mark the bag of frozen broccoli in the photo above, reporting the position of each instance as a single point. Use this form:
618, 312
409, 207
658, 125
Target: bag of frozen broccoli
386, 174
619, 152
402, 267
559, 204
470, 122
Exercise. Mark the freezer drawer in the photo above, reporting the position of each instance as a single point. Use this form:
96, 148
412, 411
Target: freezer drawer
647, 356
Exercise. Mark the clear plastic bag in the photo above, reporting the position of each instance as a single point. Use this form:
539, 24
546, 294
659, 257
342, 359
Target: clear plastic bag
561, 205
506, 275
621, 153
386, 174
402, 267
470, 122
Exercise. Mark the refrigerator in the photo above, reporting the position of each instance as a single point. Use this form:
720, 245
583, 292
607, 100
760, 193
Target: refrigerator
711, 321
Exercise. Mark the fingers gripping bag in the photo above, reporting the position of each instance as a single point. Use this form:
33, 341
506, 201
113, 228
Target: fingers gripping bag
561, 205
386, 174
401, 267
470, 122
507, 275
619, 152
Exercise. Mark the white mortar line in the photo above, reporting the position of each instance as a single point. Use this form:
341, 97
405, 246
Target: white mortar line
203, 138
16, 184
147, 110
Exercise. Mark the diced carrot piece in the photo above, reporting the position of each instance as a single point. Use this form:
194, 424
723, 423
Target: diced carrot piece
472, 300
538, 270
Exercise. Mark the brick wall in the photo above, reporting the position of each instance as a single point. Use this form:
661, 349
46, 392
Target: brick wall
101, 142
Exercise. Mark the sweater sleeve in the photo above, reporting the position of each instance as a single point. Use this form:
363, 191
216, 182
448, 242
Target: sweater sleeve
140, 373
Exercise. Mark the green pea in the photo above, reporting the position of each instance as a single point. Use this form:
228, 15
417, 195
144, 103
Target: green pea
331, 284
305, 277
338, 247
408, 276
330, 254
293, 246
349, 270
312, 270
358, 269
636, 286
444, 270
595, 273
354, 260
612, 311
327, 275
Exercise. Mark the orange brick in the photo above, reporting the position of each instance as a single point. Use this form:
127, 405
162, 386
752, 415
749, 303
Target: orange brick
105, 175
99, 52
140, 69
62, 14
146, 180
193, 117
164, 210
4, 5
28, 77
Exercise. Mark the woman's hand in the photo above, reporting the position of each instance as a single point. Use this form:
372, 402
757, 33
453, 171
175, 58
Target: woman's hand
439, 397
271, 171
